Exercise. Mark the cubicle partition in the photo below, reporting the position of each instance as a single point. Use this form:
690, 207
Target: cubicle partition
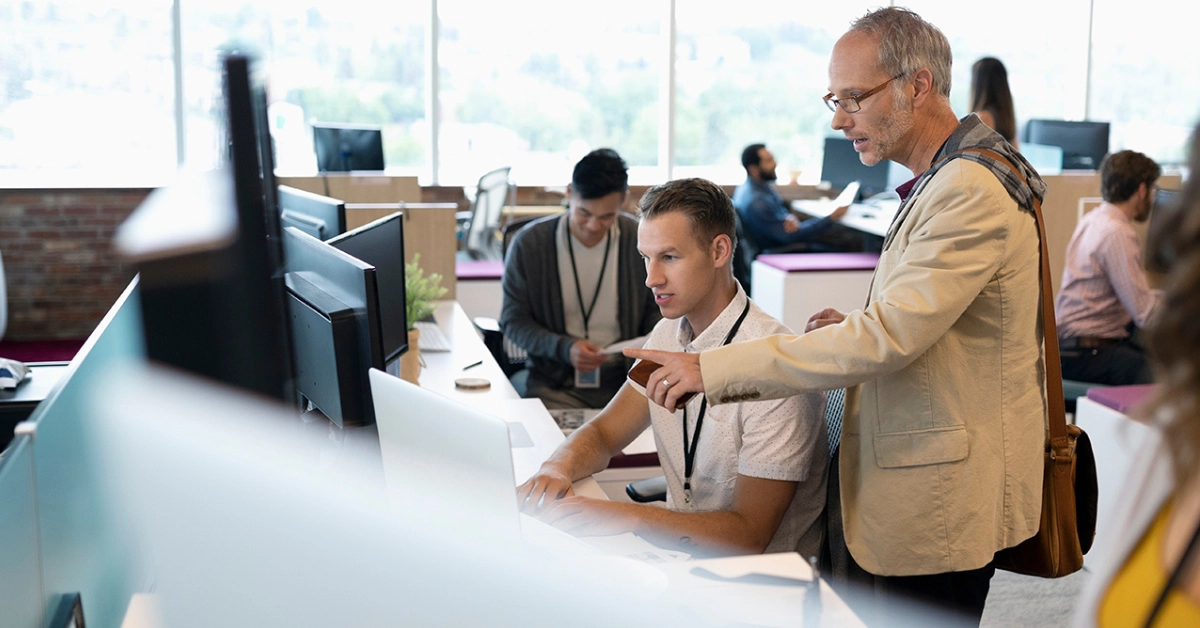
57, 535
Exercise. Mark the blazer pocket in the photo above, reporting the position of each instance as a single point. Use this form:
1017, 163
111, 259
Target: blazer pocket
921, 447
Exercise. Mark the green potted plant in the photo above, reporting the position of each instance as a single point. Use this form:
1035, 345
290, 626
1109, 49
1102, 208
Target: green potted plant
420, 292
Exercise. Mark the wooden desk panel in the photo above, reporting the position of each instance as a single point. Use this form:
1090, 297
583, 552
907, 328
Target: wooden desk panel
429, 229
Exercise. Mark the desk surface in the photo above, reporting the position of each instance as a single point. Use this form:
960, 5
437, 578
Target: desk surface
873, 218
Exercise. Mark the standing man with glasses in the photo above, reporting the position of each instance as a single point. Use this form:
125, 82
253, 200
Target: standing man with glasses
940, 460
1104, 294
574, 284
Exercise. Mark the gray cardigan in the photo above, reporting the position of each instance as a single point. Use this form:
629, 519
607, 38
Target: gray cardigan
532, 316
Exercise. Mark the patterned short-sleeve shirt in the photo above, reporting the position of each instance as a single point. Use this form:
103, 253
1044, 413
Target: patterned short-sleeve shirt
782, 439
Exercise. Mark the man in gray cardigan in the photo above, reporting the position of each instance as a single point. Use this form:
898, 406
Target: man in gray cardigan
574, 284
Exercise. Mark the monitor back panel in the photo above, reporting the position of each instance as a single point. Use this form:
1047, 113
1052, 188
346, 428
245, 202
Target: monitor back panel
841, 166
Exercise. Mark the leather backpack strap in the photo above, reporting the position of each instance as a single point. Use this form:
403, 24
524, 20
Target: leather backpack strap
1054, 383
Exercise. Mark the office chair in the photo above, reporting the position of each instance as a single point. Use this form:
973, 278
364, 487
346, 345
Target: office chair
655, 489
743, 255
481, 226
509, 356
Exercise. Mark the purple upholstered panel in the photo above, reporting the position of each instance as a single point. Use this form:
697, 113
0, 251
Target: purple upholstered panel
820, 262
1120, 398
478, 270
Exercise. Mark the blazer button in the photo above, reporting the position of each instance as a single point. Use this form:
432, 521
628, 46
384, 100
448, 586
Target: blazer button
725, 399
755, 395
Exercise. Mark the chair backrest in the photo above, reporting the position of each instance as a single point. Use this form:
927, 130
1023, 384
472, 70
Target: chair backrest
510, 231
743, 255
834, 408
490, 197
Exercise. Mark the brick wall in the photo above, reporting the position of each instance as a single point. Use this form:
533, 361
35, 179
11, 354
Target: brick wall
59, 265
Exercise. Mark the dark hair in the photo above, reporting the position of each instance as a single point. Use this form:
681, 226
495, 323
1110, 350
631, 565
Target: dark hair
706, 205
750, 156
1175, 336
600, 173
1122, 173
990, 93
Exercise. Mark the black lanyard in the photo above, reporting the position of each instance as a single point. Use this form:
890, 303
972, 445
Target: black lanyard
689, 454
587, 311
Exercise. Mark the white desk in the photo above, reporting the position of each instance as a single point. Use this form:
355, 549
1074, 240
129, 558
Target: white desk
1116, 440
872, 217
793, 287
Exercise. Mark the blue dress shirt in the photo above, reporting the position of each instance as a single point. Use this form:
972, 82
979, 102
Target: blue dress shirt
762, 212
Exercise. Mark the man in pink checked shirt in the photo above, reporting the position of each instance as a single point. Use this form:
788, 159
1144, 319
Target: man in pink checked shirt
1104, 293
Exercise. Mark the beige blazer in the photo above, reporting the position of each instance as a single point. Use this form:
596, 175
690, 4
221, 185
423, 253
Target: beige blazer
941, 465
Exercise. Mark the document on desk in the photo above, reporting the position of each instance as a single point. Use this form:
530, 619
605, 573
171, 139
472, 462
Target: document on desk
759, 590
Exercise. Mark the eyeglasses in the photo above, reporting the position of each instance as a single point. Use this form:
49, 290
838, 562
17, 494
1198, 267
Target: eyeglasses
853, 102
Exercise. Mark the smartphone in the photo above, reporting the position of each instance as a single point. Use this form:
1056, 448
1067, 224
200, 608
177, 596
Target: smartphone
641, 372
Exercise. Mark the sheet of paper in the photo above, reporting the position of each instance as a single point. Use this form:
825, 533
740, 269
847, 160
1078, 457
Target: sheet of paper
847, 195
783, 565
632, 343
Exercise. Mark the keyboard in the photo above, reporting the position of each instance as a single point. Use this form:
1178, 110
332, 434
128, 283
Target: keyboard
432, 339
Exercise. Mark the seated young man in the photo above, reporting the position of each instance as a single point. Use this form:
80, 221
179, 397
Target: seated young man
573, 284
742, 478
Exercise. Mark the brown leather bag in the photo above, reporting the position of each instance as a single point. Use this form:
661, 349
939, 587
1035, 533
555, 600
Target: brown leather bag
1069, 481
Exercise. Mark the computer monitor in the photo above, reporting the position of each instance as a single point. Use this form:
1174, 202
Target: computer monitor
381, 244
319, 216
1163, 221
333, 301
841, 166
1084, 144
209, 257
346, 147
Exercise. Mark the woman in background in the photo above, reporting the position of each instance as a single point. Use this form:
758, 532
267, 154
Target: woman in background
1149, 574
991, 99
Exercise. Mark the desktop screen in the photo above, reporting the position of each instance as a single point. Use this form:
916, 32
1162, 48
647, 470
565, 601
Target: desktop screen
346, 147
1163, 220
319, 216
211, 292
1084, 144
841, 166
333, 301
381, 244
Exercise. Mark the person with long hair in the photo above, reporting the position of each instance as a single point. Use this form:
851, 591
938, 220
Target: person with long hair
991, 99
1150, 573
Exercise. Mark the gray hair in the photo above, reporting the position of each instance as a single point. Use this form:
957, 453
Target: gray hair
908, 43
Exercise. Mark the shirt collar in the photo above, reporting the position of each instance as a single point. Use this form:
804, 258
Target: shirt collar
904, 189
712, 337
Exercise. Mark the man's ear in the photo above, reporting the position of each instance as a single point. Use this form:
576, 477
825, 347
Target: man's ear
923, 87
721, 249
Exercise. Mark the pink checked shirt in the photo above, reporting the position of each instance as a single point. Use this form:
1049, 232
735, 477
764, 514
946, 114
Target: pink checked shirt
1103, 284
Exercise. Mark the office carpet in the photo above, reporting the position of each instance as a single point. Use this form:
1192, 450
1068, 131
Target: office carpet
1016, 600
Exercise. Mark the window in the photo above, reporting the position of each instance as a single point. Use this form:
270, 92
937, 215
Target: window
331, 61
746, 76
1144, 77
536, 84
1043, 45
87, 86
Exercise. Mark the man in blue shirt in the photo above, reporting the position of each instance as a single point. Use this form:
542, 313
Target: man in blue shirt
766, 221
